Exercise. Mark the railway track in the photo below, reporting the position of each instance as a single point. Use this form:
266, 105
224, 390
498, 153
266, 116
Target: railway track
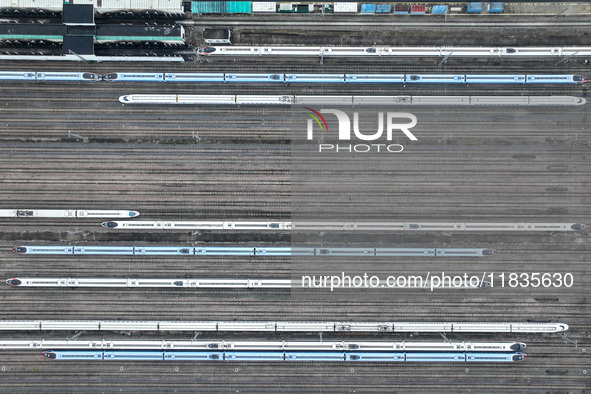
260, 310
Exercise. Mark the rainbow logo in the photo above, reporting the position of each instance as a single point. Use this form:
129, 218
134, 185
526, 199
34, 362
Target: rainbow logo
317, 115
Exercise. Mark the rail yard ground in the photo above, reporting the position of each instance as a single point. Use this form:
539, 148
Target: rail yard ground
74, 145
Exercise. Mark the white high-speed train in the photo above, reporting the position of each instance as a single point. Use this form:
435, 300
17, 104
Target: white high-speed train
280, 326
59, 213
245, 51
326, 226
284, 99
281, 355
275, 78
207, 283
205, 225
143, 282
252, 251
259, 345
49, 76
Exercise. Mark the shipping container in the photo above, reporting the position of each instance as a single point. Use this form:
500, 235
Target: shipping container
496, 7
368, 8
418, 9
401, 9
475, 7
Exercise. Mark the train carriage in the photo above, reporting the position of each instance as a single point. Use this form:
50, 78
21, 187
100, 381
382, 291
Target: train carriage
555, 79
67, 76
246, 326
264, 100
44, 249
149, 99
434, 78
288, 326
162, 250
134, 77
187, 326
112, 250
224, 251
471, 78
133, 355
193, 356
435, 357
245, 77
275, 251
405, 252
466, 252
73, 355
374, 78
315, 78
17, 76
314, 356
129, 325
254, 356
225, 99
495, 357
375, 357
194, 77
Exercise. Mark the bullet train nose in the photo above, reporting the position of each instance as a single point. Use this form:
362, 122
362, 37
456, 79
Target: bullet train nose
110, 77
124, 99
92, 77
518, 346
578, 226
109, 224
133, 214
14, 282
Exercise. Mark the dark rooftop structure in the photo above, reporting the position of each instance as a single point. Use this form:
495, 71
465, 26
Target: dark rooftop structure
78, 45
78, 14
81, 30
30, 29
78, 33
149, 33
